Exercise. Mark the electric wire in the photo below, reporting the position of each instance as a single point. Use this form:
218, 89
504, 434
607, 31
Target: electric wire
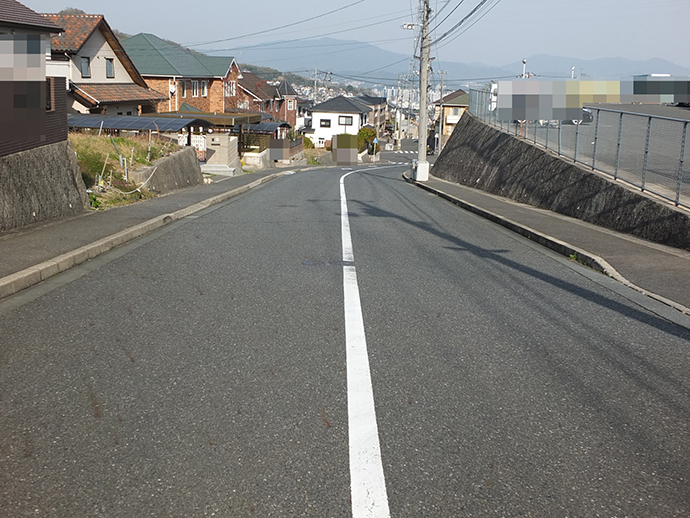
281, 27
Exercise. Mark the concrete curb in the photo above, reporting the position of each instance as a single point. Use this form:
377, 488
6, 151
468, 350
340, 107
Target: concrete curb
561, 247
26, 278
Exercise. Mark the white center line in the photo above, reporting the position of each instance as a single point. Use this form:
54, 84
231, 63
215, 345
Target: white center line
368, 485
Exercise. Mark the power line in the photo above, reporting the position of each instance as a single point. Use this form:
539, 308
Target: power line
487, 11
457, 25
281, 27
449, 14
306, 38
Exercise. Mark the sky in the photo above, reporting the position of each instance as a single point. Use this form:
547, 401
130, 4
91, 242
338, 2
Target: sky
500, 32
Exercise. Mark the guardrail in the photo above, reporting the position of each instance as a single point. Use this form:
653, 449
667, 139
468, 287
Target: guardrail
645, 151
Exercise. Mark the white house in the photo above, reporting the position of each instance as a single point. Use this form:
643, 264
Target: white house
335, 117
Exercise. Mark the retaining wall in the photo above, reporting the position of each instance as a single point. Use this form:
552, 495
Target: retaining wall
480, 156
40, 184
172, 172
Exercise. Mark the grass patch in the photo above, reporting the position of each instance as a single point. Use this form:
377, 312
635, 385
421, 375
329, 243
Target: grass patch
99, 159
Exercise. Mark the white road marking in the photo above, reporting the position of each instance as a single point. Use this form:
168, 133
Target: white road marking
368, 485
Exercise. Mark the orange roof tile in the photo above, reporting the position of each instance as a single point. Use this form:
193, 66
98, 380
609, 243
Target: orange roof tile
99, 93
77, 29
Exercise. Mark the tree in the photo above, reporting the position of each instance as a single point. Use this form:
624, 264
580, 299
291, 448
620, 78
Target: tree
71, 10
365, 137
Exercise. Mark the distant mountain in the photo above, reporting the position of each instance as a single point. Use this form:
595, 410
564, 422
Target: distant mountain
357, 60
554, 67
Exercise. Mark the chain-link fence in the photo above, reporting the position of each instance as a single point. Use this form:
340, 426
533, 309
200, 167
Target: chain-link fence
643, 150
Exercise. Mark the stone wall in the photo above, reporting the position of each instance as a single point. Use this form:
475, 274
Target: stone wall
172, 173
40, 184
483, 157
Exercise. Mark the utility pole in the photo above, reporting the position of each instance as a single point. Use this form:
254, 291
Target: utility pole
399, 112
421, 174
316, 77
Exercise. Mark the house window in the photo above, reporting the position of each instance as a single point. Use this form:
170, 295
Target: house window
183, 88
230, 89
345, 120
85, 67
291, 104
204, 88
244, 105
195, 88
109, 68
325, 123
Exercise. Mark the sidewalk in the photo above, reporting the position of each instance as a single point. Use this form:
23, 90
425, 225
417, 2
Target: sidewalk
656, 270
31, 254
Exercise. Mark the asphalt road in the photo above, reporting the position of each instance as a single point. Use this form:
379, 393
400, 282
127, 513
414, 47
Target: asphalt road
203, 370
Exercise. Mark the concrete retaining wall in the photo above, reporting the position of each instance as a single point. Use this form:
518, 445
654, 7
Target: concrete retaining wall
258, 161
172, 173
40, 184
483, 157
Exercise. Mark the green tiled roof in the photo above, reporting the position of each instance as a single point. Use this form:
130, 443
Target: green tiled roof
154, 56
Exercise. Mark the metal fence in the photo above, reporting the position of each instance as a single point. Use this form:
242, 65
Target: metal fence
643, 150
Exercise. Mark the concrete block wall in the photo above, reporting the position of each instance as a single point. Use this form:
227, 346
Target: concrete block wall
40, 184
221, 150
172, 173
258, 160
480, 156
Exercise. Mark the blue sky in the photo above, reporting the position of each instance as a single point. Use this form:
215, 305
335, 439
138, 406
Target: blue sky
508, 31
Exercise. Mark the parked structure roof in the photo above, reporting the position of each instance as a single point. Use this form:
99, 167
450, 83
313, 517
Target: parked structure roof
154, 56
341, 104
133, 123
14, 14
215, 119
266, 127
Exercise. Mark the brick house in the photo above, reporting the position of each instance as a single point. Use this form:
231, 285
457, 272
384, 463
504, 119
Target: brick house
32, 101
256, 95
102, 78
208, 83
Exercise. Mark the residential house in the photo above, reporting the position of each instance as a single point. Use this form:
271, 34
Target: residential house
340, 115
449, 109
208, 83
32, 101
379, 112
303, 110
257, 95
102, 78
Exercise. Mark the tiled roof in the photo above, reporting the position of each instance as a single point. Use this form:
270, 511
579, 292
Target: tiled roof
113, 93
285, 89
154, 56
15, 14
371, 100
257, 86
77, 29
341, 104
456, 98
